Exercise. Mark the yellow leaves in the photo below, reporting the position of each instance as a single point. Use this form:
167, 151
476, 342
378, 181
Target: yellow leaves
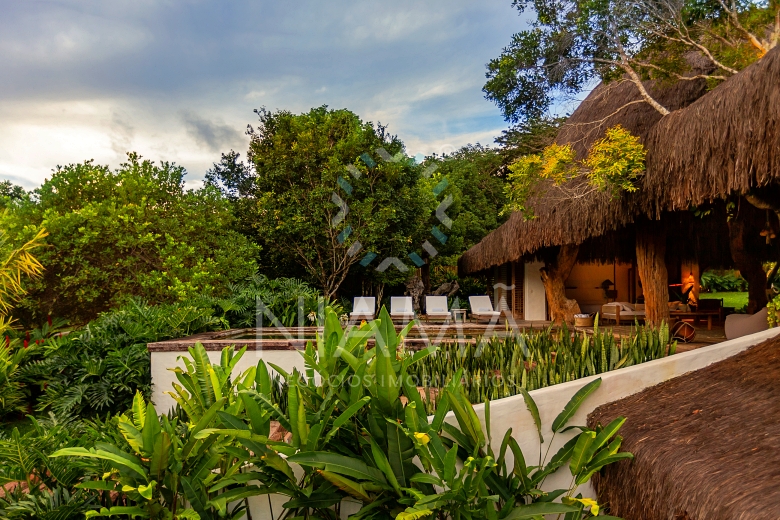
616, 161
413, 514
16, 264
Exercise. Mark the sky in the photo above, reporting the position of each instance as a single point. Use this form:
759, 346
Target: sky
179, 80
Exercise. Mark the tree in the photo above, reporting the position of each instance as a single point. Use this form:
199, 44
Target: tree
574, 42
130, 232
10, 193
325, 189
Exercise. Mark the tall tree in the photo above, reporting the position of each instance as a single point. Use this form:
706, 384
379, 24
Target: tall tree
571, 43
134, 231
324, 189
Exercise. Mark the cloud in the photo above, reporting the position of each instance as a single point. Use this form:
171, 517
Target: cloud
216, 136
92, 79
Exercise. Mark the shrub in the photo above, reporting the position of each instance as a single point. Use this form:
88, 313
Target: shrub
723, 281
99, 368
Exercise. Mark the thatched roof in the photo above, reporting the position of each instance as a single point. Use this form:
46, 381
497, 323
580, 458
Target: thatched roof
726, 142
563, 220
705, 444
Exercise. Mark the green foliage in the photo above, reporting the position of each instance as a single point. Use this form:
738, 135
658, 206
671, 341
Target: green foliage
354, 439
16, 265
571, 43
723, 281
614, 163
286, 197
131, 232
773, 310
43, 487
13, 394
283, 299
531, 174
11, 193
472, 176
99, 368
499, 367
171, 468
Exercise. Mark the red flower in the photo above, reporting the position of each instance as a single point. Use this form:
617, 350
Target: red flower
48, 319
26, 343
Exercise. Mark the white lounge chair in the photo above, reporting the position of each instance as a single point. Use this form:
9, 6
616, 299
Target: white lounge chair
436, 308
738, 325
482, 308
623, 311
401, 308
363, 308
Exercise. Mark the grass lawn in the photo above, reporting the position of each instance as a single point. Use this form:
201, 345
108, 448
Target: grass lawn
730, 299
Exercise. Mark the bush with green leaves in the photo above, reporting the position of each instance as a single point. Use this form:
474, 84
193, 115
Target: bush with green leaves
163, 466
723, 281
288, 302
99, 368
131, 232
41, 487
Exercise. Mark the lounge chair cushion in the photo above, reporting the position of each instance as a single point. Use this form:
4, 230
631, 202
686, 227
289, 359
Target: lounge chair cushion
738, 325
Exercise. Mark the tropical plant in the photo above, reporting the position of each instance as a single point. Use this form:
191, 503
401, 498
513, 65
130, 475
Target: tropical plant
13, 395
162, 466
99, 368
280, 301
300, 165
499, 367
614, 164
359, 431
40, 487
723, 281
15, 265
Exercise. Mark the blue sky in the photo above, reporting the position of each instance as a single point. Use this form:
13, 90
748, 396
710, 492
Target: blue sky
178, 80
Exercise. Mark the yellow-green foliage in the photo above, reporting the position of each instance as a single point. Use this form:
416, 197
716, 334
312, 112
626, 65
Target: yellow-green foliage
556, 164
616, 162
15, 265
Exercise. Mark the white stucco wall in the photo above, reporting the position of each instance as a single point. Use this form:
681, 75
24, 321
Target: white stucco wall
533, 293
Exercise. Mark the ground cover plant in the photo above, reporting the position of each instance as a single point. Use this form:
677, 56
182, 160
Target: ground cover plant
358, 431
499, 367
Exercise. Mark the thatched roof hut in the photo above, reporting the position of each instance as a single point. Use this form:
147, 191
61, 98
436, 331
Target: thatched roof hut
560, 219
705, 444
727, 142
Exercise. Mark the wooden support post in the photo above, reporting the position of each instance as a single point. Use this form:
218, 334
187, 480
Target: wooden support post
557, 267
651, 264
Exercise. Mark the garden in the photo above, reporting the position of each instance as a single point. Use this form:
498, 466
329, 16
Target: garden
358, 435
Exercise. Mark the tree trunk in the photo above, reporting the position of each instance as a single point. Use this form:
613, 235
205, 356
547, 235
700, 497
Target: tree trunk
741, 237
554, 274
425, 274
651, 264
